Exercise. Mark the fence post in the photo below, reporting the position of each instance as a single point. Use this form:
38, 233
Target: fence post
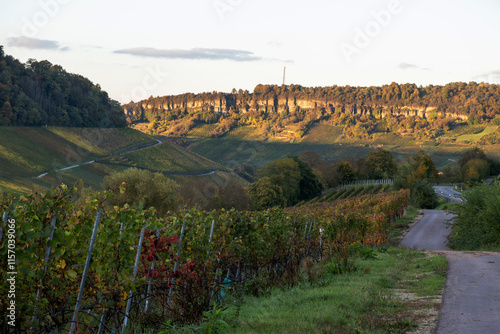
211, 236
85, 270
4, 219
150, 278
177, 261
47, 254
136, 265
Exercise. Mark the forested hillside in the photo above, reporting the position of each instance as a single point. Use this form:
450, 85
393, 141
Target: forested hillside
289, 111
39, 93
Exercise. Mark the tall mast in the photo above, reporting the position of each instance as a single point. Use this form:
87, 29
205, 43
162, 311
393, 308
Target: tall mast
284, 69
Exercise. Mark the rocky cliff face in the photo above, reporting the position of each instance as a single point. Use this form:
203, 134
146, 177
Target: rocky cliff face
222, 103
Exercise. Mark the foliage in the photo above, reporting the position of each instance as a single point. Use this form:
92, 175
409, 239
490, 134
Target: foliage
477, 220
309, 184
476, 166
381, 164
288, 112
40, 93
268, 244
423, 195
290, 178
264, 193
344, 168
133, 186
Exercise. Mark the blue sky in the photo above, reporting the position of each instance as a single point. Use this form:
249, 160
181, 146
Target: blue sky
135, 49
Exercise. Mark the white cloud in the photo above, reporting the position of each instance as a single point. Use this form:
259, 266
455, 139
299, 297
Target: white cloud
35, 43
195, 53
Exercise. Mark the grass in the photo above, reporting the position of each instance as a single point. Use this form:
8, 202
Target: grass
363, 301
244, 145
387, 290
477, 135
402, 225
170, 158
29, 151
26, 152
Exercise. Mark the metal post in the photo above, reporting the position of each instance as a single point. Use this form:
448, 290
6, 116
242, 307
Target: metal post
85, 270
136, 265
4, 219
101, 324
211, 235
177, 261
150, 278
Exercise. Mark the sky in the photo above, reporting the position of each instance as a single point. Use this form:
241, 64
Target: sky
136, 49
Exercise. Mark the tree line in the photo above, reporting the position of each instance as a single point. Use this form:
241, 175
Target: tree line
289, 111
39, 93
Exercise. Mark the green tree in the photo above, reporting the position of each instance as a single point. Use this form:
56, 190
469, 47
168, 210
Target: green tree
417, 174
381, 164
344, 168
264, 193
423, 167
473, 153
475, 170
309, 184
142, 188
423, 195
286, 174
477, 220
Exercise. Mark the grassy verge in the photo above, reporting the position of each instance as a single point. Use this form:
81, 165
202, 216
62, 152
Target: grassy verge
366, 300
401, 226
383, 290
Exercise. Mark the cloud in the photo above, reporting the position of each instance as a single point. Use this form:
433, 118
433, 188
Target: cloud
274, 44
195, 53
491, 76
34, 43
407, 66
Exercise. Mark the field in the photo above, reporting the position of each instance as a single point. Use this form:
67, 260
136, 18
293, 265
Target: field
241, 145
27, 153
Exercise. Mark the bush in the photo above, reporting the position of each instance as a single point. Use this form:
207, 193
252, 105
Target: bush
423, 195
142, 186
477, 221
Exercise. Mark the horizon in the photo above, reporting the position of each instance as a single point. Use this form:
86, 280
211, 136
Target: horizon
136, 51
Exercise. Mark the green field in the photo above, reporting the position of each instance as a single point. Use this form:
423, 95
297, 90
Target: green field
326, 140
27, 153
168, 158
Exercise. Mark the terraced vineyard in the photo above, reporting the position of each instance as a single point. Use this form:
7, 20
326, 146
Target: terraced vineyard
48, 156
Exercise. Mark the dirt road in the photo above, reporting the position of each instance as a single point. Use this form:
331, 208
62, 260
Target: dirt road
471, 300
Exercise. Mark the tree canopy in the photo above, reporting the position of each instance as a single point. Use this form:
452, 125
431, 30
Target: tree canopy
39, 93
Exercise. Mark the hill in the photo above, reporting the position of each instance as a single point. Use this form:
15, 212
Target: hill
246, 144
288, 112
47, 156
39, 93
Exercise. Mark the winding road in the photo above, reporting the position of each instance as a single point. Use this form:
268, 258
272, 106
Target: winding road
471, 300
132, 149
